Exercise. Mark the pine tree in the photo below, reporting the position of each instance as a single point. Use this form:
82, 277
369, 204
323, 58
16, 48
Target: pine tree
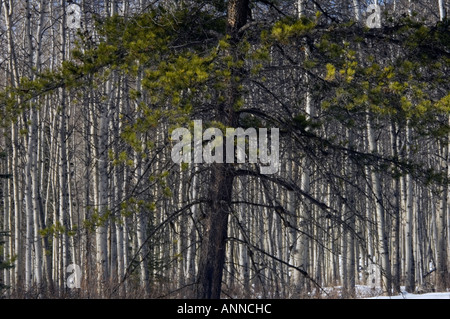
357, 108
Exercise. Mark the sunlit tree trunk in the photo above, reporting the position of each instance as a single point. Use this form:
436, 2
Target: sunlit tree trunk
442, 11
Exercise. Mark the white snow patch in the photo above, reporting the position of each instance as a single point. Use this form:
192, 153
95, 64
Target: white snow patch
405, 295
369, 292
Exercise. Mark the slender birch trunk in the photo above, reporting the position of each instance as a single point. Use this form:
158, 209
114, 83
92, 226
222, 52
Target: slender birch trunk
7, 211
441, 249
383, 243
8, 8
102, 163
442, 11
63, 170
409, 257
397, 217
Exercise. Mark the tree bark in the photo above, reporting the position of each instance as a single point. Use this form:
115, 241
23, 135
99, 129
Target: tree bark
397, 216
103, 192
441, 253
442, 11
383, 245
212, 251
409, 256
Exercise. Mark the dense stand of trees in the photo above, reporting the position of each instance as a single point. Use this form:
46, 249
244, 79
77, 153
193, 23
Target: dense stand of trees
86, 175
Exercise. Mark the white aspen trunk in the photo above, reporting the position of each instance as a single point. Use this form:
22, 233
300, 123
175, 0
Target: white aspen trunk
113, 195
7, 223
356, 9
305, 223
55, 259
63, 172
448, 207
50, 208
279, 251
44, 196
140, 218
114, 7
133, 237
334, 253
351, 253
441, 249
192, 239
8, 6
28, 219
57, 238
442, 12
181, 240
123, 229
229, 273
118, 195
95, 194
409, 256
295, 242
352, 262
261, 227
126, 242
271, 248
397, 217
403, 228
112, 251
344, 250
142, 4
305, 214
71, 250
351, 268
102, 163
33, 140
419, 238
300, 8
90, 172
140, 232
374, 276
85, 258
18, 253
383, 244
242, 185
433, 229
51, 192
270, 229
358, 256
36, 214
30, 172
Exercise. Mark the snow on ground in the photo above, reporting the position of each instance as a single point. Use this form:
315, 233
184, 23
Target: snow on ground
367, 292
405, 295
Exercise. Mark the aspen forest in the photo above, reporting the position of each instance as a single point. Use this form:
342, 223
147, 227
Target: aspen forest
349, 194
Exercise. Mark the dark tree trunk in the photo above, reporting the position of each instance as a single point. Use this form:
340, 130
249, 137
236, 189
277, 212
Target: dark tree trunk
212, 256
213, 246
